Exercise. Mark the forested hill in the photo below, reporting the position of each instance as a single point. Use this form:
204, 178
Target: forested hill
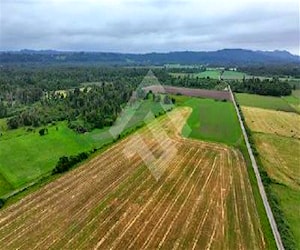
225, 57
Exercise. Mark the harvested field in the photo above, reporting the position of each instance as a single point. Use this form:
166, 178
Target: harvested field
272, 122
281, 158
214, 94
203, 199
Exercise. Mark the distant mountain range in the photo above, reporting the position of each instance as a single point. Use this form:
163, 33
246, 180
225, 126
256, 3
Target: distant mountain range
224, 57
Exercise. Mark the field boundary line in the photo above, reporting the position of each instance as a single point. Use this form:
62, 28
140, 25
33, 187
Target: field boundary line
261, 188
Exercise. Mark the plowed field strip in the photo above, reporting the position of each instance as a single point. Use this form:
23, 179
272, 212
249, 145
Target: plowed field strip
101, 221
162, 218
147, 216
171, 225
153, 192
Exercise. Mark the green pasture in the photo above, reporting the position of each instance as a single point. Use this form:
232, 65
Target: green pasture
211, 120
266, 102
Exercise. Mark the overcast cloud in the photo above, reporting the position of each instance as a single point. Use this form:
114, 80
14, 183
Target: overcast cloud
149, 25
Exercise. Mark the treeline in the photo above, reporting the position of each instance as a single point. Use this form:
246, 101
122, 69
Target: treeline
185, 69
65, 163
273, 87
291, 70
23, 86
189, 81
282, 224
92, 107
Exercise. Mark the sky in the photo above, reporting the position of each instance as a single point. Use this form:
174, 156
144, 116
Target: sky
149, 25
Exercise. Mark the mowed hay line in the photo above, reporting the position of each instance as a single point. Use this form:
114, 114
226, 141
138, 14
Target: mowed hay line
272, 122
203, 199
281, 158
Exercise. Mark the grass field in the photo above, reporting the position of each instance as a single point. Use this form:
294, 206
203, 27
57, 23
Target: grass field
293, 100
202, 200
211, 120
233, 75
214, 74
272, 122
39, 154
281, 158
265, 102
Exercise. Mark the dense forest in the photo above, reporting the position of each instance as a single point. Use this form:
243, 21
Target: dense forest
290, 70
92, 97
273, 87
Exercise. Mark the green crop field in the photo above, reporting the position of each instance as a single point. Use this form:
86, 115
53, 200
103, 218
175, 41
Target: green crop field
233, 75
294, 100
26, 156
266, 102
211, 120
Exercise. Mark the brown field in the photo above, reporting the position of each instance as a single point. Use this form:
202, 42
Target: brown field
214, 94
203, 199
272, 122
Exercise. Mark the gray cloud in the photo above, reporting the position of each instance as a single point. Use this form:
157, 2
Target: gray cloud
149, 25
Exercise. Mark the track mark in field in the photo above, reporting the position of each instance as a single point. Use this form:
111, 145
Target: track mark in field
162, 218
136, 217
181, 207
152, 213
93, 234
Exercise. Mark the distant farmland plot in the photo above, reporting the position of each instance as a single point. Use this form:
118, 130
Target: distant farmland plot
270, 121
233, 75
214, 74
202, 200
211, 120
266, 102
205, 93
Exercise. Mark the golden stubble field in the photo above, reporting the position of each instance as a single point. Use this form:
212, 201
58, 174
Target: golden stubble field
276, 136
273, 122
203, 199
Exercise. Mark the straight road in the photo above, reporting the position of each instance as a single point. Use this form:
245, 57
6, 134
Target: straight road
259, 181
